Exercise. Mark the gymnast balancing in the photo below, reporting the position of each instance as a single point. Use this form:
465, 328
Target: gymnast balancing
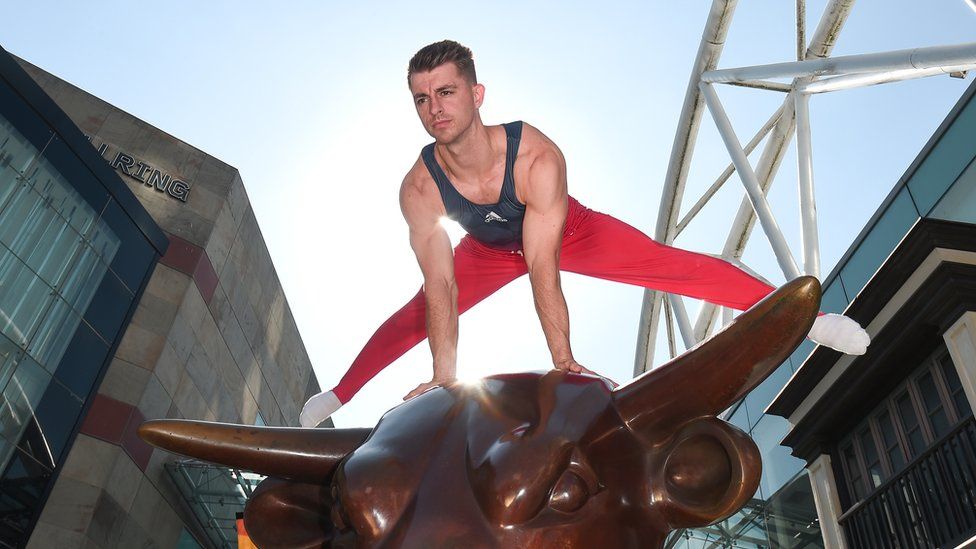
506, 186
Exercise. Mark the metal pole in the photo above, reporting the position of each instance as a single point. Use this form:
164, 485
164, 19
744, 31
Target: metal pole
681, 315
948, 57
862, 80
808, 201
821, 45
751, 183
729, 170
971, 4
668, 322
801, 29
709, 50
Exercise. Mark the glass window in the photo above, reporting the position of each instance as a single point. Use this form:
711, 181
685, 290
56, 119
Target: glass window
909, 424
933, 404
759, 398
872, 461
739, 418
890, 228
54, 420
779, 466
113, 300
20, 396
834, 298
54, 333
134, 251
959, 203
947, 160
18, 506
82, 361
853, 470
24, 298
889, 438
16, 156
956, 392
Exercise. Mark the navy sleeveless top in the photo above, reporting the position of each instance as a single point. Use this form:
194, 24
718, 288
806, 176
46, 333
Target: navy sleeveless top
497, 225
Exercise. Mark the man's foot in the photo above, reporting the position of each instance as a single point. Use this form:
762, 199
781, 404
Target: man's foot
318, 409
840, 333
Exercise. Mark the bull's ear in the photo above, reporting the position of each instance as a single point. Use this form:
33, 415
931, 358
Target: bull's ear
285, 515
709, 378
710, 470
303, 455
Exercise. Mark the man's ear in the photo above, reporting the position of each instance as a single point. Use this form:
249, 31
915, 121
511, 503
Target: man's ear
478, 91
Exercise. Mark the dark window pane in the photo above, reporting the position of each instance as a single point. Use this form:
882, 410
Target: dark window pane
109, 307
135, 256
853, 471
739, 418
946, 161
21, 488
893, 449
877, 244
871, 459
761, 396
54, 420
951, 376
82, 361
779, 465
933, 404
909, 424
63, 160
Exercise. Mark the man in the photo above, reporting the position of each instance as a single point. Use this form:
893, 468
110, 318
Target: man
506, 185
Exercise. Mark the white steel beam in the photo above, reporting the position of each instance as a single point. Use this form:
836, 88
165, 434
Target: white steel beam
709, 50
949, 58
753, 189
808, 201
821, 45
863, 80
729, 170
684, 325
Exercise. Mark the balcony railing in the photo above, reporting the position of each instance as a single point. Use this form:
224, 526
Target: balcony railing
932, 503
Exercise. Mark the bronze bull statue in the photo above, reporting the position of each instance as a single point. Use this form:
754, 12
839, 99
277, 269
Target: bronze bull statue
531, 460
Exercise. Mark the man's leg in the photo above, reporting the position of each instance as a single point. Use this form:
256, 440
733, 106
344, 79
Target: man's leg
479, 272
604, 247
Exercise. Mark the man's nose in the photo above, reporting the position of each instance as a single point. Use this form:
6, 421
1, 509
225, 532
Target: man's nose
435, 105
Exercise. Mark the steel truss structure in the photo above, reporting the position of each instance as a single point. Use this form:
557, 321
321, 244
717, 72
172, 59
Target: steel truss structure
813, 72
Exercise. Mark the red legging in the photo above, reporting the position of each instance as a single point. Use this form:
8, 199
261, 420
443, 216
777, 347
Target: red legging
594, 244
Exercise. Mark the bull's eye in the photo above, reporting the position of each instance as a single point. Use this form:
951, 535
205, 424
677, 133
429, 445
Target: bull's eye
569, 494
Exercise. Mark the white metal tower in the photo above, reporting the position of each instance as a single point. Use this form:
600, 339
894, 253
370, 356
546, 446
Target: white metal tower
813, 72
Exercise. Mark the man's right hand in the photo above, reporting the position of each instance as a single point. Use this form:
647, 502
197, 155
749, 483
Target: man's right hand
570, 365
426, 386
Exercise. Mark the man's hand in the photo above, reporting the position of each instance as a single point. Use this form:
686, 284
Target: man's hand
570, 365
426, 386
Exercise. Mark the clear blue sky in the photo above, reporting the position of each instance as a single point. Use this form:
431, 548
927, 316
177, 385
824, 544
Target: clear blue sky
309, 101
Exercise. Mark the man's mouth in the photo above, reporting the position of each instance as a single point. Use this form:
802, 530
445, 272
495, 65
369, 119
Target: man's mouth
441, 123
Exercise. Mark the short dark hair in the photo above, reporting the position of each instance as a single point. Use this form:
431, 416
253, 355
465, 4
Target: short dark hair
446, 51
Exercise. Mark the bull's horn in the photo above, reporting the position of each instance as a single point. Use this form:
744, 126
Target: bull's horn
708, 378
304, 455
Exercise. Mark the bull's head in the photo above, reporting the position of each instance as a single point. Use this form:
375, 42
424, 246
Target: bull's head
523, 460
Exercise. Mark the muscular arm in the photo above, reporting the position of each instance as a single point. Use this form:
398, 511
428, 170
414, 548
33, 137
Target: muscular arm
545, 216
432, 247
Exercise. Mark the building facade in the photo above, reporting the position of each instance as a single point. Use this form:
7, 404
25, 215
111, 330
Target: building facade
135, 285
879, 450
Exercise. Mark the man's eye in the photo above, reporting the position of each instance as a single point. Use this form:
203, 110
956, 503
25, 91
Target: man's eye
446, 92
421, 101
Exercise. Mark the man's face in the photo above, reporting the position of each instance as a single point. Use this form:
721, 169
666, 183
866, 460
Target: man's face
445, 101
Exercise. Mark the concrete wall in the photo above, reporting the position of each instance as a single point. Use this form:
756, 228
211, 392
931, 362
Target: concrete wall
213, 338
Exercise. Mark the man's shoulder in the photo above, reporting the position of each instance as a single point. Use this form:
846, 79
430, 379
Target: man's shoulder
417, 183
536, 146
